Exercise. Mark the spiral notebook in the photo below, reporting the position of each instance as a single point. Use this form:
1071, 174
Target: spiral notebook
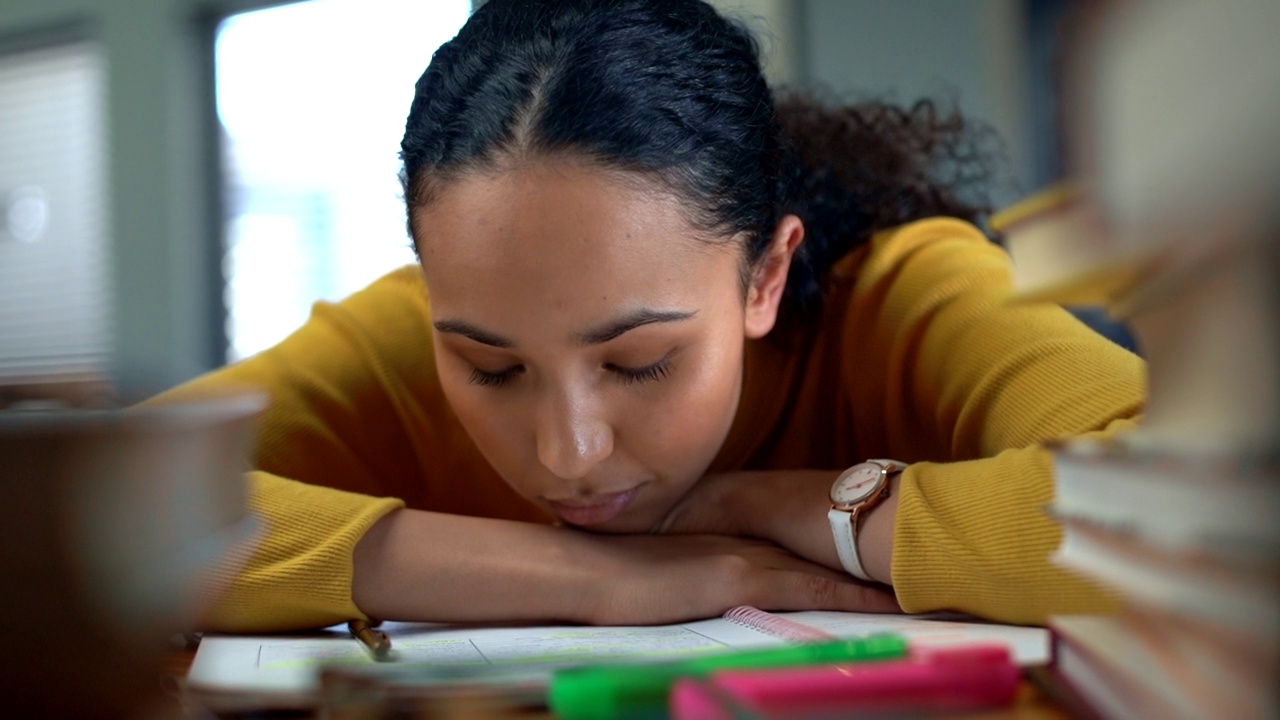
284, 670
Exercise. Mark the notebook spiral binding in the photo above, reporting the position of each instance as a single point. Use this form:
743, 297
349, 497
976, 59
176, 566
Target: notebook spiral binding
776, 625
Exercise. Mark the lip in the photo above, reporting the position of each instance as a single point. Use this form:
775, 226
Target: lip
594, 509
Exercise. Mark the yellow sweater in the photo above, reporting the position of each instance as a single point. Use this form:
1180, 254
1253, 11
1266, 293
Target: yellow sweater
917, 356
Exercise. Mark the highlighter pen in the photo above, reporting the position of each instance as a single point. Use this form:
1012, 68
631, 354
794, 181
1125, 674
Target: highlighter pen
932, 680
635, 691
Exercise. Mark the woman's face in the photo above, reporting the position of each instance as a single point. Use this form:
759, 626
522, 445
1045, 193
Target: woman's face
589, 341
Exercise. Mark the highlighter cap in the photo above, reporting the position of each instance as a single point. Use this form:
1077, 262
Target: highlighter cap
635, 691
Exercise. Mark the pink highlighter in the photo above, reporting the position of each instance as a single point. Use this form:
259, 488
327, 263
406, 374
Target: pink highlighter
928, 679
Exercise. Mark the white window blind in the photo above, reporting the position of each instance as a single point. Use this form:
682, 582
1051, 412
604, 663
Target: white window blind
55, 294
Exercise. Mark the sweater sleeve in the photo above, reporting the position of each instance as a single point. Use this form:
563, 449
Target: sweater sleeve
335, 450
966, 385
297, 574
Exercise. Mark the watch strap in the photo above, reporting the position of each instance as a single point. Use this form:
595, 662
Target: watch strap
890, 466
846, 544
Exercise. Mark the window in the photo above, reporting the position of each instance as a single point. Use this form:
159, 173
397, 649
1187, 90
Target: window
312, 99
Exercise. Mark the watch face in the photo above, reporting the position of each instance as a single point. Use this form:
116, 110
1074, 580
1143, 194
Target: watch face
857, 484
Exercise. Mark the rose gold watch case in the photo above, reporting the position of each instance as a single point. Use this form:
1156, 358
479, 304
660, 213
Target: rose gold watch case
876, 486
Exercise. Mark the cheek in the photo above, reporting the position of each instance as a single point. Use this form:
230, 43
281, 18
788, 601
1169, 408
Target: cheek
487, 416
682, 434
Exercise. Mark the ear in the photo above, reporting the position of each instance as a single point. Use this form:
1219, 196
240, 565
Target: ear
769, 277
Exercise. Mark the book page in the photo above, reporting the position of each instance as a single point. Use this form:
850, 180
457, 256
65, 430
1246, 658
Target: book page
291, 664
544, 647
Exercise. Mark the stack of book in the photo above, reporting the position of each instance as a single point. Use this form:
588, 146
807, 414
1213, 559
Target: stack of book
1178, 236
1181, 516
1191, 543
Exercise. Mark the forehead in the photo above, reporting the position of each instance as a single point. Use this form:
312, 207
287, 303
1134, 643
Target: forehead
566, 235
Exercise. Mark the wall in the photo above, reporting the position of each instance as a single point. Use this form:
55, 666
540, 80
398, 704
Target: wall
775, 24
970, 50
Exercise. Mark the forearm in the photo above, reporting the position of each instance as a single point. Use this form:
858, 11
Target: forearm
416, 565
790, 508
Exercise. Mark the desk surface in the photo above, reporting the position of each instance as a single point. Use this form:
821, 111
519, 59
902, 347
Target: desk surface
1032, 703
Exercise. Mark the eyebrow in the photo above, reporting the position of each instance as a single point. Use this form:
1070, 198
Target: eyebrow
629, 322
466, 329
595, 336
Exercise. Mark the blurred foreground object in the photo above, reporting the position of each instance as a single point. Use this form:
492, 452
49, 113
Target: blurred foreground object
112, 521
1175, 222
1175, 228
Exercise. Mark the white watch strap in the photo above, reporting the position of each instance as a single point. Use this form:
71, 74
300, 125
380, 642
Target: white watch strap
846, 544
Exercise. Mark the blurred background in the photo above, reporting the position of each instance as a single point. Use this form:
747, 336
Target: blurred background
181, 179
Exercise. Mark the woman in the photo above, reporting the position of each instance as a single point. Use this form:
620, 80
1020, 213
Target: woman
664, 317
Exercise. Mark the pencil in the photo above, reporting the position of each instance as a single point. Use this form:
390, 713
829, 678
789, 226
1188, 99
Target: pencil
376, 641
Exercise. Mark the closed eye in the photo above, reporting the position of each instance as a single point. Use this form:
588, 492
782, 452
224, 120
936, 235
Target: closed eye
494, 379
648, 373
628, 375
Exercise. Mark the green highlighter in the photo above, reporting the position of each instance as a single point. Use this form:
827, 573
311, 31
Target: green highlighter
638, 691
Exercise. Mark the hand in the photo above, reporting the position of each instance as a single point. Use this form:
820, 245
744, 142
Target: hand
666, 579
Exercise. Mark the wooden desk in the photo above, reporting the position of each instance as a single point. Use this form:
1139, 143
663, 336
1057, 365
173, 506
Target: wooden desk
1032, 703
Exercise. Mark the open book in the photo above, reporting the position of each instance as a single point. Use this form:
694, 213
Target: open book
284, 671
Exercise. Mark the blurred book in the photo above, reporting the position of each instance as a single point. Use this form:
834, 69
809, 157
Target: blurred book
1174, 231
1060, 254
1180, 515
1190, 541
1205, 312
1241, 597
1212, 341
1172, 500
1143, 665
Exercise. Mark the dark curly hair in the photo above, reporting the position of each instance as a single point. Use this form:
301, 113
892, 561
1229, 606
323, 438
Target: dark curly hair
671, 89
860, 169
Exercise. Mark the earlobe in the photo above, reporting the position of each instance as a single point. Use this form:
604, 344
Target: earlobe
769, 279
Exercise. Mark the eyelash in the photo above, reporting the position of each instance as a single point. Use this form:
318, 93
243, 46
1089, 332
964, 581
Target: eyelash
498, 379
628, 376
650, 373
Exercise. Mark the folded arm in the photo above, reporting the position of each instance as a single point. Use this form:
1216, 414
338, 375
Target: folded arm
940, 370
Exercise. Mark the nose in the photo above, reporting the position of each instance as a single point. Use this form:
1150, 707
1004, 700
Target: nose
573, 436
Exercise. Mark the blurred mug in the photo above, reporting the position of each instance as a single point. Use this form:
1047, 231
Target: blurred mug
113, 523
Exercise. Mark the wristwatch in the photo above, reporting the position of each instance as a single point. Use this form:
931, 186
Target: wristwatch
853, 494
